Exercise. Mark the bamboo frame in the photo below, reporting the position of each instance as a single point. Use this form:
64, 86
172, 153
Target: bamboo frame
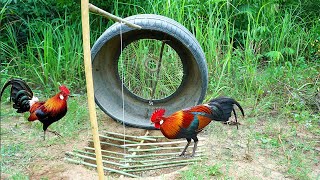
131, 162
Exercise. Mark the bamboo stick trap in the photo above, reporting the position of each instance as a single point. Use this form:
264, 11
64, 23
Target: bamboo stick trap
135, 156
120, 153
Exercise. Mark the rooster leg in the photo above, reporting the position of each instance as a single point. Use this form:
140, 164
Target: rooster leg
44, 135
185, 148
195, 139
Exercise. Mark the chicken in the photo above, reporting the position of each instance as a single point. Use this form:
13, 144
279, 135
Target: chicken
47, 112
187, 123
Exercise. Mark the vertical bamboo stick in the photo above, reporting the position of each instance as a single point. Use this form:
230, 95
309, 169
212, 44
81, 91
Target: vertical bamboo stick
89, 81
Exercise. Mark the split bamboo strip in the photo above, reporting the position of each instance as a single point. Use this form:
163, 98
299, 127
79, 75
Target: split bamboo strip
153, 155
150, 144
95, 166
151, 160
157, 167
161, 163
118, 139
164, 159
161, 159
161, 136
89, 81
136, 137
92, 158
111, 16
159, 148
111, 144
104, 156
111, 152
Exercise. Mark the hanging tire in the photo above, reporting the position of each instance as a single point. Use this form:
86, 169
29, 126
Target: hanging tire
177, 80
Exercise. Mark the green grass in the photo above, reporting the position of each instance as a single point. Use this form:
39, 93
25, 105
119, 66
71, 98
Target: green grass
199, 171
20, 138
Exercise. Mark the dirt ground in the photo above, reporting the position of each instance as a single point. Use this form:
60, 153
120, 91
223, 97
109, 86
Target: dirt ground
243, 165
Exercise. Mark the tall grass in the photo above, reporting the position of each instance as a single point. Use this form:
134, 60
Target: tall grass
239, 38
52, 55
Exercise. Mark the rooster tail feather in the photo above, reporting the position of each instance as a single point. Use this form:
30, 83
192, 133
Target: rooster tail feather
222, 107
20, 94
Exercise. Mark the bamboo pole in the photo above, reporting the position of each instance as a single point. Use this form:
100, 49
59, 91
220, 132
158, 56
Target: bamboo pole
156, 167
129, 136
99, 11
95, 166
89, 82
118, 139
111, 144
159, 148
92, 158
150, 144
160, 154
103, 156
110, 152
161, 163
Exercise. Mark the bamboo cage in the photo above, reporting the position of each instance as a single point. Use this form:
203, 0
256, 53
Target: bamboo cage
133, 156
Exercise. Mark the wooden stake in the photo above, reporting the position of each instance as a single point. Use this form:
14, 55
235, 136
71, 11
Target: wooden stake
142, 141
89, 82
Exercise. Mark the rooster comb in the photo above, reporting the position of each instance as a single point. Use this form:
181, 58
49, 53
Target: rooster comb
64, 89
157, 113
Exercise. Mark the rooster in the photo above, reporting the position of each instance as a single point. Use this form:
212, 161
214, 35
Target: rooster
47, 112
187, 123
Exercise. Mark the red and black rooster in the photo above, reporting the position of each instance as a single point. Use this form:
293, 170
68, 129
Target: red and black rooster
187, 123
47, 112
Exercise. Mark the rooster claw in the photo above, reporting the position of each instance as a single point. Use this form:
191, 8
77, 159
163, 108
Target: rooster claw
185, 156
55, 132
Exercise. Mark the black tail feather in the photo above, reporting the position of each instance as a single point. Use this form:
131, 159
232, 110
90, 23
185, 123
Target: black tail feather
20, 94
222, 108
